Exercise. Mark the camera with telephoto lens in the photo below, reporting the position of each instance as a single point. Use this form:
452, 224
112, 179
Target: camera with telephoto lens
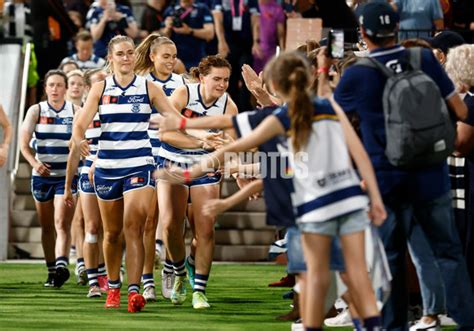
177, 20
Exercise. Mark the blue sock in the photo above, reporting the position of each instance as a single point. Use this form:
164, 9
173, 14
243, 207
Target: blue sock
101, 269
80, 264
357, 324
314, 329
148, 281
133, 288
62, 262
51, 267
168, 267
200, 283
179, 269
373, 323
115, 284
92, 275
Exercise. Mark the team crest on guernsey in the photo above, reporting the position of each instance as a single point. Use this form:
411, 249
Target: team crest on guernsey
136, 108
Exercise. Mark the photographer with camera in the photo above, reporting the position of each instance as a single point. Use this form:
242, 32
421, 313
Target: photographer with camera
108, 19
190, 26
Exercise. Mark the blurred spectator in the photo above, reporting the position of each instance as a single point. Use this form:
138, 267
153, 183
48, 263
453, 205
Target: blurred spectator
190, 26
84, 57
443, 41
422, 15
77, 18
237, 29
463, 18
80, 6
68, 66
460, 68
52, 29
272, 31
152, 18
17, 20
344, 19
108, 19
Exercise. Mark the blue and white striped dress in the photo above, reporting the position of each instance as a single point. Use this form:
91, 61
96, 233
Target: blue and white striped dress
194, 108
53, 132
124, 144
172, 83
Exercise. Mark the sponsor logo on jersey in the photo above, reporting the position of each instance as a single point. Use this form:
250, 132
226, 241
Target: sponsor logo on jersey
136, 108
103, 189
46, 120
137, 180
136, 99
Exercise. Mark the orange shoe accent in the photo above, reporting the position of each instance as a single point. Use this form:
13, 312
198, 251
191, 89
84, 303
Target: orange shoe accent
136, 302
113, 298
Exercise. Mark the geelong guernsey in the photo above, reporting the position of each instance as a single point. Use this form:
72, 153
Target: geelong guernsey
94, 62
194, 108
53, 132
325, 183
169, 85
124, 145
92, 137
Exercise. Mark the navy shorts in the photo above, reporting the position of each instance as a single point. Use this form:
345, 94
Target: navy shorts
296, 261
45, 188
208, 179
114, 189
84, 185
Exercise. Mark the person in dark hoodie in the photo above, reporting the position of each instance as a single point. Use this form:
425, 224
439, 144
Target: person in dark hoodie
335, 14
52, 29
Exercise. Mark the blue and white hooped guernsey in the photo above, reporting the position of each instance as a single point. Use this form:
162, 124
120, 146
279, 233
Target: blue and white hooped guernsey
326, 185
94, 62
92, 136
194, 108
53, 132
124, 144
172, 83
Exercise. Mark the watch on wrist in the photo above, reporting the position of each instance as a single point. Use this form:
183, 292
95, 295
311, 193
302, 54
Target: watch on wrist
191, 33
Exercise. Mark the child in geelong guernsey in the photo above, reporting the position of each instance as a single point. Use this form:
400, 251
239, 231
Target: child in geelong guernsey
327, 200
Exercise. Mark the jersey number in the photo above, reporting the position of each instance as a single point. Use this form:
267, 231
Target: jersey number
384, 19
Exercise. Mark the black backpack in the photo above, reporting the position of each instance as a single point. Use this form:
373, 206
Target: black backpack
418, 127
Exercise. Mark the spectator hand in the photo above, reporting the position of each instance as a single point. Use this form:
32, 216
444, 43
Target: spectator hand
214, 207
242, 182
377, 212
167, 122
324, 61
117, 16
185, 29
223, 48
250, 77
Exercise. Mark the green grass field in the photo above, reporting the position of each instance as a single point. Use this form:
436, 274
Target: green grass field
239, 295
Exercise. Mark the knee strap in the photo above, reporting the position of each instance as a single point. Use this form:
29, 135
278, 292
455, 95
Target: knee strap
90, 238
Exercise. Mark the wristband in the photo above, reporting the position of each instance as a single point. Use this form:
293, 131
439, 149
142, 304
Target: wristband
191, 33
182, 124
322, 70
187, 176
